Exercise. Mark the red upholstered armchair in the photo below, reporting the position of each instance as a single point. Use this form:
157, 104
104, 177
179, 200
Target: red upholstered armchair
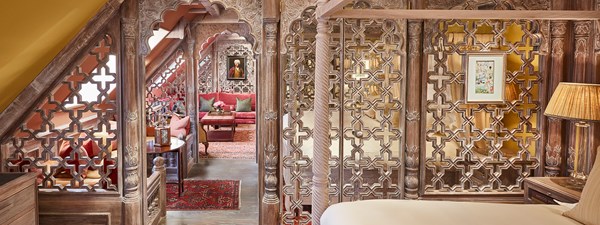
230, 100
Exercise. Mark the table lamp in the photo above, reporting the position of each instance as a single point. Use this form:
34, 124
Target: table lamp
580, 103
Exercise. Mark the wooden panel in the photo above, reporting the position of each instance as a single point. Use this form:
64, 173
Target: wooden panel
75, 218
17, 203
94, 207
18, 196
29, 217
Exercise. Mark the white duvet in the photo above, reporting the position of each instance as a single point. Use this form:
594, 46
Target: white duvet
414, 212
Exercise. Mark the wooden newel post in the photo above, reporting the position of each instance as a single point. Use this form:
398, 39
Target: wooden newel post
321, 136
159, 166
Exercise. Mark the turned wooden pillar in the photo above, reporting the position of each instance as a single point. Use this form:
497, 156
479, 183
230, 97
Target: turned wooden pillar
268, 119
322, 140
191, 93
555, 144
413, 107
133, 180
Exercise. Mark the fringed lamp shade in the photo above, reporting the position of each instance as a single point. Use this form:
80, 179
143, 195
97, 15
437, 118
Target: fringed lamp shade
575, 101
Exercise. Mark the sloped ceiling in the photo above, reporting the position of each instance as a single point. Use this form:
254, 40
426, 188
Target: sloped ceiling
32, 32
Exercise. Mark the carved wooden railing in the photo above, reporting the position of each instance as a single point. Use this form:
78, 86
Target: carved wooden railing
156, 192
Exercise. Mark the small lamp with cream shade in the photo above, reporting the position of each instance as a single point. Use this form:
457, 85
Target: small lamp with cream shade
577, 102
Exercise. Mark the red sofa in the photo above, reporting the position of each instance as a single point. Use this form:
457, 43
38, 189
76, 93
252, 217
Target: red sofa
230, 101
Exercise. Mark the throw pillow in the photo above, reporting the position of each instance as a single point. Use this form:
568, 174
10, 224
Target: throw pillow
243, 105
206, 105
586, 211
178, 126
65, 151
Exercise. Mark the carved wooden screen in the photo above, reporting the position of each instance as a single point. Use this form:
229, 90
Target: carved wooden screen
165, 91
205, 75
481, 147
70, 138
366, 112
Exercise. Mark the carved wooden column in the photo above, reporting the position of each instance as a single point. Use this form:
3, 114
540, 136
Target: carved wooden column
555, 144
268, 120
191, 96
322, 140
581, 66
132, 118
413, 107
595, 131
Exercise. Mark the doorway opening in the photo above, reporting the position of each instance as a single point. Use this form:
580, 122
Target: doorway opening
201, 74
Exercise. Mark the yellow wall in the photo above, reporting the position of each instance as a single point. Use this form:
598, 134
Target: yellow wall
32, 32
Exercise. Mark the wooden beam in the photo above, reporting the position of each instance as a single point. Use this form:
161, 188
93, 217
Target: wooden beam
198, 11
213, 10
331, 7
465, 14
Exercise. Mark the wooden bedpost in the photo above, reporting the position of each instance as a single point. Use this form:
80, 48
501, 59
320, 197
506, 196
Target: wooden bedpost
413, 107
132, 117
322, 140
268, 119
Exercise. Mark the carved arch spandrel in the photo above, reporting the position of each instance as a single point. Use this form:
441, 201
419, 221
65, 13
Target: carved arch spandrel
152, 11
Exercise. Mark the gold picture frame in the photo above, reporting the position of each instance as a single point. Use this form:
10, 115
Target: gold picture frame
485, 77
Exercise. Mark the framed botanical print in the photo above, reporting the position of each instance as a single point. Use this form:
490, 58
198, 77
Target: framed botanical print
236, 68
485, 77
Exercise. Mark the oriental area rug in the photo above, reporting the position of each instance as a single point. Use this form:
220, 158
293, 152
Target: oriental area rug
242, 147
205, 195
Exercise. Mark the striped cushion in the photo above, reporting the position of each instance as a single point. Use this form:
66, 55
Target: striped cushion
587, 210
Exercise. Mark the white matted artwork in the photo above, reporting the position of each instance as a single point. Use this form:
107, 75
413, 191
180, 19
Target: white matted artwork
485, 78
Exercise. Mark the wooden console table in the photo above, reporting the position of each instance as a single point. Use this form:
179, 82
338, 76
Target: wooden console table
544, 190
18, 199
177, 146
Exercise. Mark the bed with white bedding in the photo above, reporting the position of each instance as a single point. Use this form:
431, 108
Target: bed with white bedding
415, 212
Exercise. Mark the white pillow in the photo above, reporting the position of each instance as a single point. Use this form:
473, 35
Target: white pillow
587, 211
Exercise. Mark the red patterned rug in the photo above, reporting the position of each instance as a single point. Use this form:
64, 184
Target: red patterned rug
205, 195
242, 147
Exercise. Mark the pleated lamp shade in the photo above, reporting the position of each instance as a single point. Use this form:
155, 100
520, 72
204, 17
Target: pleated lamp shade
575, 101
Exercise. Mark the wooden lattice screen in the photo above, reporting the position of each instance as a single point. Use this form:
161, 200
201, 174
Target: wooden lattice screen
70, 137
165, 91
481, 147
366, 111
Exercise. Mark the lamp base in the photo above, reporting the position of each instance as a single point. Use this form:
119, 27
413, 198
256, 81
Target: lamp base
577, 180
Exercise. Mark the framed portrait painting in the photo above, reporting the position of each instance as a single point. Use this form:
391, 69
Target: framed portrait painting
236, 68
485, 78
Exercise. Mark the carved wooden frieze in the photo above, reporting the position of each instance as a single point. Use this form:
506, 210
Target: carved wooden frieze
205, 31
489, 4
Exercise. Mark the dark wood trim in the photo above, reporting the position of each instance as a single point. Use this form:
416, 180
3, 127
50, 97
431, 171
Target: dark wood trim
42, 84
